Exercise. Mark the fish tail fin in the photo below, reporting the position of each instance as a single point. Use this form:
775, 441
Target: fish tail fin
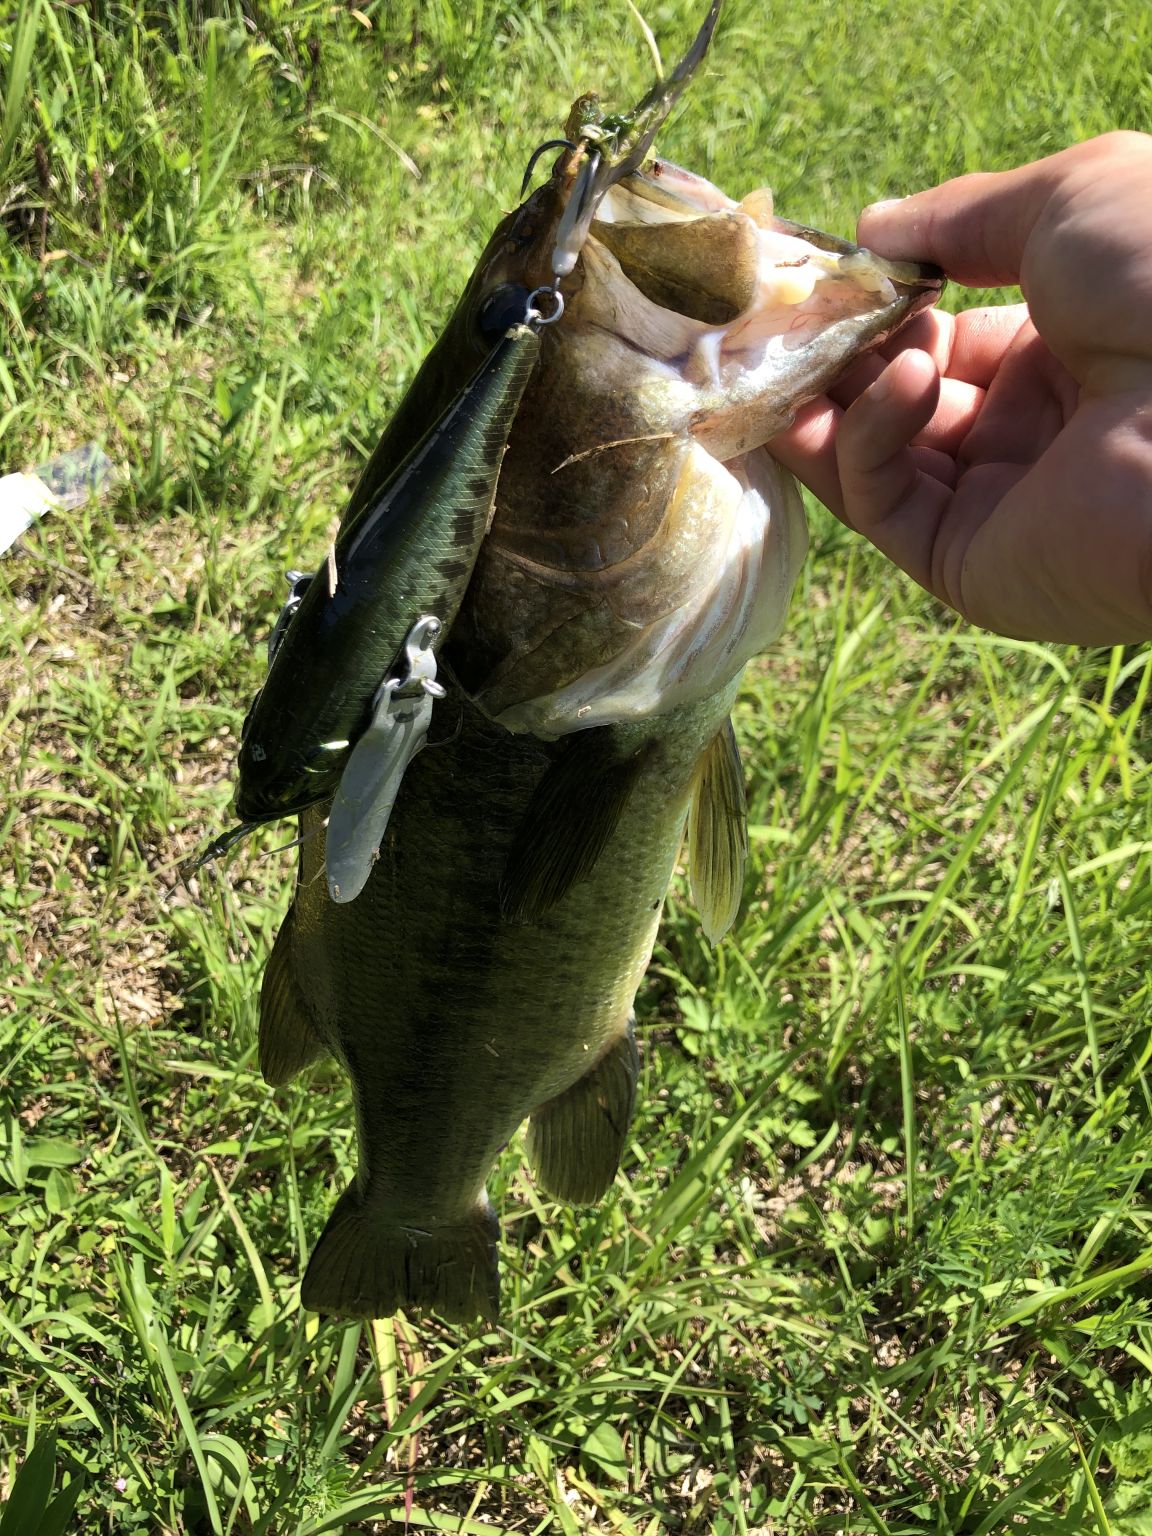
364, 1267
575, 1141
718, 835
288, 1043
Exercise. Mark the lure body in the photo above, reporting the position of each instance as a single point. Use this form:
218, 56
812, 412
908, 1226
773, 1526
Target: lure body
411, 551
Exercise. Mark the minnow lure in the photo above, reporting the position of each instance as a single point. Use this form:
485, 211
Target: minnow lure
401, 714
411, 553
407, 555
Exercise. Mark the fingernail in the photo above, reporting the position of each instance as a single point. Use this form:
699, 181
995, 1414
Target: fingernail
883, 204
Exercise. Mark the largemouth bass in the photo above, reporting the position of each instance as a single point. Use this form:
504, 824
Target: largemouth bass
642, 549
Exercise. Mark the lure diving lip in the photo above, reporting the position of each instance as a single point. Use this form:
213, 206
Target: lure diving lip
401, 715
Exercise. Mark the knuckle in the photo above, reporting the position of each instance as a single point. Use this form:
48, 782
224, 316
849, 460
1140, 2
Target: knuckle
1121, 143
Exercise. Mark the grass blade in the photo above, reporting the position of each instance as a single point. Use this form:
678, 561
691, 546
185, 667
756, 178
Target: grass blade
16, 77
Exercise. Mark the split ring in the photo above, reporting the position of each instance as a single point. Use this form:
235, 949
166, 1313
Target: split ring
534, 315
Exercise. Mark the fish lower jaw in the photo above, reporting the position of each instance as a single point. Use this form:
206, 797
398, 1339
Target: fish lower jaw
748, 357
750, 397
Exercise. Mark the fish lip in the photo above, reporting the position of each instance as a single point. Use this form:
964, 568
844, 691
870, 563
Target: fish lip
924, 287
924, 275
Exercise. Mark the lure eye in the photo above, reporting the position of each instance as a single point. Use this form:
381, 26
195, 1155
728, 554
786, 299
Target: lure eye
504, 307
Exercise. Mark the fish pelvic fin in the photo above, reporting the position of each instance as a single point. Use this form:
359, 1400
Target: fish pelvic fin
570, 818
363, 1267
575, 1141
288, 1042
718, 835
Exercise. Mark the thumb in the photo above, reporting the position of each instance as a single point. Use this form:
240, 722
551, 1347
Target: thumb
1073, 230
976, 227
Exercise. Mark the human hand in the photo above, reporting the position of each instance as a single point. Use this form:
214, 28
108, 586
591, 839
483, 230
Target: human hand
1003, 457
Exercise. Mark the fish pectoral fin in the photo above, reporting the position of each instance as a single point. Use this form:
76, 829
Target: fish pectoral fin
288, 1043
569, 820
365, 1267
718, 835
575, 1141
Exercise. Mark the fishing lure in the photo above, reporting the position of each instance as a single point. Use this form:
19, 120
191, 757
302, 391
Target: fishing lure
411, 553
345, 633
337, 717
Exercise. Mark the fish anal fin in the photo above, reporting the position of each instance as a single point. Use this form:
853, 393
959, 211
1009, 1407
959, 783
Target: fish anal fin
718, 835
288, 1043
365, 1267
575, 1141
570, 818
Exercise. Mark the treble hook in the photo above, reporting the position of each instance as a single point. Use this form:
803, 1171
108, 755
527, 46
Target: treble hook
216, 849
542, 150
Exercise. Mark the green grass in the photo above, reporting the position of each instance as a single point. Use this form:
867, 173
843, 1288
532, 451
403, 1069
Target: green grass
879, 1258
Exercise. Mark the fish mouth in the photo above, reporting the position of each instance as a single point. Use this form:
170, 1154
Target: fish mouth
756, 313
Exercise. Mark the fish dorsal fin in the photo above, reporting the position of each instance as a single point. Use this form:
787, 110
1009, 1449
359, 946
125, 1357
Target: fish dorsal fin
569, 820
718, 835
